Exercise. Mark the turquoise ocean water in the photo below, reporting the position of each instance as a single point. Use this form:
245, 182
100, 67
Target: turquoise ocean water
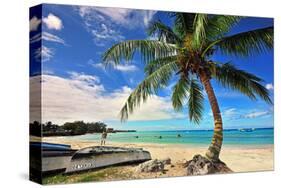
193, 137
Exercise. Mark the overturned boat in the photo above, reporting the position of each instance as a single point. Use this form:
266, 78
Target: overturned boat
102, 156
50, 158
47, 157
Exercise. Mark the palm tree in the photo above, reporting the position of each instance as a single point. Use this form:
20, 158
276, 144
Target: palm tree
185, 50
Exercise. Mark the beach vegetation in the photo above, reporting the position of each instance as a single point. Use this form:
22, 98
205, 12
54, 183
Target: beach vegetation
67, 129
110, 173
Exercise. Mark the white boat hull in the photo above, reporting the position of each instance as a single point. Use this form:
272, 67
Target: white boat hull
55, 163
97, 157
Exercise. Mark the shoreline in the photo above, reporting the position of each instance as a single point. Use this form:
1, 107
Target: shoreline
240, 158
179, 145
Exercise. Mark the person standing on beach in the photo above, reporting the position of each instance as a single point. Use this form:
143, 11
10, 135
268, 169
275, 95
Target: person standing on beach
103, 137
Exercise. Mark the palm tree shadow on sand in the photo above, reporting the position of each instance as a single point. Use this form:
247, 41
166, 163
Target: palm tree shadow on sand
185, 51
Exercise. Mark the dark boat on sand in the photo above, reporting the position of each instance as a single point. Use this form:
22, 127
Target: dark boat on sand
60, 157
47, 157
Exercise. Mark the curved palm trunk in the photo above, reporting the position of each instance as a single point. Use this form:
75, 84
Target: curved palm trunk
215, 146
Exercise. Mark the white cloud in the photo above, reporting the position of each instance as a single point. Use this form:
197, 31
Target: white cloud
74, 98
47, 37
234, 114
230, 112
105, 23
53, 22
105, 33
84, 77
120, 67
44, 54
238, 114
126, 68
257, 114
35, 38
98, 65
125, 17
34, 23
52, 38
269, 86
226, 93
116, 14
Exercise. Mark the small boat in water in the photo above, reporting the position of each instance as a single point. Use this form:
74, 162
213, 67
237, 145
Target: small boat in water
50, 158
247, 130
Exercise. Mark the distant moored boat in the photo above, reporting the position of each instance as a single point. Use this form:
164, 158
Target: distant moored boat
247, 130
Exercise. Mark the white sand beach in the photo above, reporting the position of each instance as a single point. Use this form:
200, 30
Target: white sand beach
238, 158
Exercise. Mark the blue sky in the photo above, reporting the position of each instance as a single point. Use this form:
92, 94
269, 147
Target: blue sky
77, 87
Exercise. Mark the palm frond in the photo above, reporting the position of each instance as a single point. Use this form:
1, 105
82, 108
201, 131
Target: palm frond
219, 25
157, 63
149, 50
199, 34
246, 43
195, 102
180, 93
183, 23
164, 32
240, 80
150, 85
